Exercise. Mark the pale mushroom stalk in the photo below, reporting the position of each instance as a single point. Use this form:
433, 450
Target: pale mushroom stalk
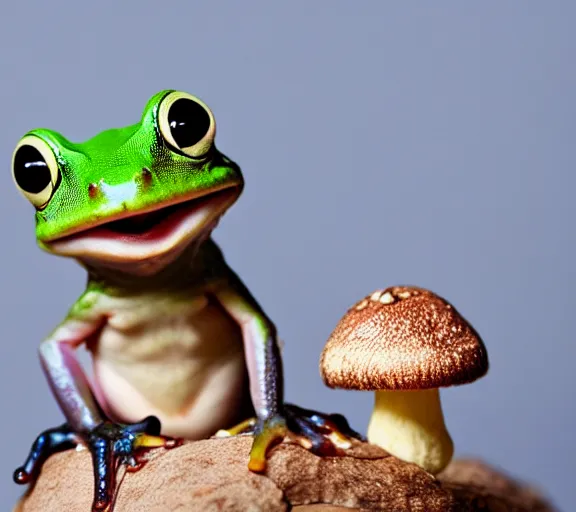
410, 425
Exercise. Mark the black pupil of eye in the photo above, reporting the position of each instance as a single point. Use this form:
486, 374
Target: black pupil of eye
189, 122
31, 171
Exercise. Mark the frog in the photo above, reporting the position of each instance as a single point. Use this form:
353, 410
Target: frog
180, 348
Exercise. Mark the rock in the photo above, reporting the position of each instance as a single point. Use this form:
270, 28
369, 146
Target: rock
212, 475
476, 482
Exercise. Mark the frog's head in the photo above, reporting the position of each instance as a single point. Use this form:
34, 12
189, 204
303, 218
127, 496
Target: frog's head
129, 196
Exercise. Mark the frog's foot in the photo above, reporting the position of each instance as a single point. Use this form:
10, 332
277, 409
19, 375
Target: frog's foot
111, 445
322, 434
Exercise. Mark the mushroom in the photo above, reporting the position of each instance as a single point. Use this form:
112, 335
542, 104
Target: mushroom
404, 343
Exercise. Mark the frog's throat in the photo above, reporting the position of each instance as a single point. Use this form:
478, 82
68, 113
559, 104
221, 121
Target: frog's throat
114, 242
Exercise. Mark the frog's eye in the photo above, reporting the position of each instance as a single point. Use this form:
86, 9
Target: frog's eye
35, 170
186, 124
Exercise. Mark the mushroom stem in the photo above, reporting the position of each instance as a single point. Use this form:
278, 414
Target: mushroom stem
410, 426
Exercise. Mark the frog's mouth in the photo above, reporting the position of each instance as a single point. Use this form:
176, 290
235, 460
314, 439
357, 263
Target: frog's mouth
148, 234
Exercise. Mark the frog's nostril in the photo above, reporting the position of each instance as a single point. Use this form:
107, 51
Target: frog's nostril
146, 175
93, 190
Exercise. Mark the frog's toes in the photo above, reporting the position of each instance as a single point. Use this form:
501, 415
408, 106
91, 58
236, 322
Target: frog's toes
323, 434
333, 426
50, 441
247, 427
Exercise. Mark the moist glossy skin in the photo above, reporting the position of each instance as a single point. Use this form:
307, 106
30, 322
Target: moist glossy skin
160, 344
174, 333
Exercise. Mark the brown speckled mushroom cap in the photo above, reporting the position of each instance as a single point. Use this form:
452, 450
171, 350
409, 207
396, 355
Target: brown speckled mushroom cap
402, 338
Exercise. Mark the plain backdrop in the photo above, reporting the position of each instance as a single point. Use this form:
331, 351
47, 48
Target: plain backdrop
382, 143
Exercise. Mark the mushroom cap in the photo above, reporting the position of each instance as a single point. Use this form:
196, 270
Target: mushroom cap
402, 338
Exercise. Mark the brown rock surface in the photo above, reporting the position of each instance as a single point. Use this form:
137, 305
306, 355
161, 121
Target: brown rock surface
475, 481
211, 475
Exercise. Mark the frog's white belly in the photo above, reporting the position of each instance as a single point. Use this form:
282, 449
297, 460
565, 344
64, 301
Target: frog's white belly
178, 358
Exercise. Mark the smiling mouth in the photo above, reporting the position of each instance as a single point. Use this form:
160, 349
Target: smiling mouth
156, 224
149, 234
146, 222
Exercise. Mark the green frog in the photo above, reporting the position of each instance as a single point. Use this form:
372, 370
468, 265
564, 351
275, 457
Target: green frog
180, 347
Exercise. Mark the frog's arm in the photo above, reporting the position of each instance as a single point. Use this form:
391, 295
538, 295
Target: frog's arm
264, 363
85, 423
69, 386
325, 434
261, 346
65, 374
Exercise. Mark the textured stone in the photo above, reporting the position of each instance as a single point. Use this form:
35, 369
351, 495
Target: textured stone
475, 482
212, 475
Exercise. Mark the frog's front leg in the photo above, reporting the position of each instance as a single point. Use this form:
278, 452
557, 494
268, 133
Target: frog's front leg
110, 444
321, 433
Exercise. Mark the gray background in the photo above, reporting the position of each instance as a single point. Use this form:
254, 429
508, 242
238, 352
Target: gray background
381, 144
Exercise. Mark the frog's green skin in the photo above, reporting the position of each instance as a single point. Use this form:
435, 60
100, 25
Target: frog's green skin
171, 328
